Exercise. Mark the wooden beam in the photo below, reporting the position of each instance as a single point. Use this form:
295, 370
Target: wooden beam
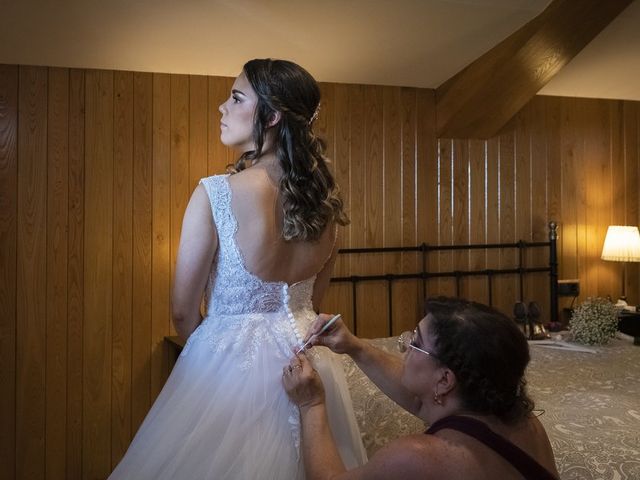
479, 100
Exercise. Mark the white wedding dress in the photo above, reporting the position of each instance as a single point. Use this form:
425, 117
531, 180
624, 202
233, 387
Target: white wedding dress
223, 413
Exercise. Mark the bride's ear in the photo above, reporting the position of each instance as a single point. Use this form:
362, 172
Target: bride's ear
275, 118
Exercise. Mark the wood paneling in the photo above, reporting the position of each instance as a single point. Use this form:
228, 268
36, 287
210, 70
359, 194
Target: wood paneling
142, 247
32, 274
8, 250
122, 263
96, 168
75, 275
161, 214
57, 261
180, 185
97, 359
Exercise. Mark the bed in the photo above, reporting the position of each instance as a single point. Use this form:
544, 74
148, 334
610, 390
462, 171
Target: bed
591, 404
591, 400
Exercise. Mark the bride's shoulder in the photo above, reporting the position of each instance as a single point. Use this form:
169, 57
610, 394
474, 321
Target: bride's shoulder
253, 179
214, 178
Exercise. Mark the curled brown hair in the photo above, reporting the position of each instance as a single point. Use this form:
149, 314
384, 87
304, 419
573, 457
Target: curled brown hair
311, 198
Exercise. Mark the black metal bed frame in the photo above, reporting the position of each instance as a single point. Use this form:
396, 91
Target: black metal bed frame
424, 275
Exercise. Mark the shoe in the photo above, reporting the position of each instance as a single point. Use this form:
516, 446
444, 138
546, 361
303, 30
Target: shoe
520, 312
520, 317
537, 331
534, 312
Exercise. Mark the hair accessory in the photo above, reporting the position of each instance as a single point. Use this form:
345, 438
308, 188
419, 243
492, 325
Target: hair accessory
315, 115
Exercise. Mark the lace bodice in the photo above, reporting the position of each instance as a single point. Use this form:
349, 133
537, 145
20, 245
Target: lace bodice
231, 288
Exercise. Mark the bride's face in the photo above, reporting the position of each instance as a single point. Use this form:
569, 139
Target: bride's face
236, 124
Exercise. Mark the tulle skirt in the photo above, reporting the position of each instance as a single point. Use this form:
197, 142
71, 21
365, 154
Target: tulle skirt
223, 413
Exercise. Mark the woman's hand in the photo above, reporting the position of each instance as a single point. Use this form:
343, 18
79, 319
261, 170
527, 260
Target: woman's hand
302, 383
337, 338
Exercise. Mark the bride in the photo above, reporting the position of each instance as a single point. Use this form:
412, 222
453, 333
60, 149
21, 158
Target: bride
257, 246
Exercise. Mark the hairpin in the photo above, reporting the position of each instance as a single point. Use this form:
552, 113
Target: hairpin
315, 115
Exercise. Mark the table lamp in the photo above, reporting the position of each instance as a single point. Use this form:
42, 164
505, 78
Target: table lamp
622, 244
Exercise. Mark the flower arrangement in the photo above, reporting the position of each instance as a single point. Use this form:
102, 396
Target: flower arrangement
594, 321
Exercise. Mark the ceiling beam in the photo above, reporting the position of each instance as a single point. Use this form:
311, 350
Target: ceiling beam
479, 100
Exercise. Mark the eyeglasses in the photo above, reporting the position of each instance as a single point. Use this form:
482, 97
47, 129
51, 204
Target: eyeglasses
407, 340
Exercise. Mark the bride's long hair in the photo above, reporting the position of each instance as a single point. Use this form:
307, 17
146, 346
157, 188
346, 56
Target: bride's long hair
311, 197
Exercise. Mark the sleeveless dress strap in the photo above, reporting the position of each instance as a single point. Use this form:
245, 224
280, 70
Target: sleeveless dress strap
529, 468
215, 188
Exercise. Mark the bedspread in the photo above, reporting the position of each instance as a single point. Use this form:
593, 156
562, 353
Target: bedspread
591, 406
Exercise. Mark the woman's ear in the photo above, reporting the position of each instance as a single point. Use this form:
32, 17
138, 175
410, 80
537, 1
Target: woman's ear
275, 118
447, 381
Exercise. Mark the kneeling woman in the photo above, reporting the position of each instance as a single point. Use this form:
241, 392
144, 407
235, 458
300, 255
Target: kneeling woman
463, 374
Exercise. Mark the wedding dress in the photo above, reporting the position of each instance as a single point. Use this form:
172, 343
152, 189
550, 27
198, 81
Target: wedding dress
223, 413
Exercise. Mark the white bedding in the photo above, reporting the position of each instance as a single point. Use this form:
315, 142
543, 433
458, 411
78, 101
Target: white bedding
591, 403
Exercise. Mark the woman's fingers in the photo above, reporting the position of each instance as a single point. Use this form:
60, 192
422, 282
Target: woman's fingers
317, 325
301, 382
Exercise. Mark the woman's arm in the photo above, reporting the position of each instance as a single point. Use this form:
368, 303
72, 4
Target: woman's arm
384, 369
198, 244
321, 458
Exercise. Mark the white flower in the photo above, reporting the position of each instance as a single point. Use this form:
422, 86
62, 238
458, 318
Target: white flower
594, 321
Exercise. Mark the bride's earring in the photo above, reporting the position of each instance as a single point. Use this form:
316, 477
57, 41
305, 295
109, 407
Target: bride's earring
436, 398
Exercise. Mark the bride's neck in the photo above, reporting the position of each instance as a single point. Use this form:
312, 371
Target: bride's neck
270, 164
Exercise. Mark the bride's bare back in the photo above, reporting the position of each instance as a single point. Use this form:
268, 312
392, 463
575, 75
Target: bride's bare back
257, 207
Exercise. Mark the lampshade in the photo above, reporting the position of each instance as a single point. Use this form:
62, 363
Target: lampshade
622, 244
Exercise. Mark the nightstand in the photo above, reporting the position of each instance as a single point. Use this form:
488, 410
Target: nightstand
629, 323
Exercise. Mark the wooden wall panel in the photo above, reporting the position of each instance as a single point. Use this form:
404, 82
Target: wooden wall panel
446, 153
8, 250
142, 247
181, 187
538, 285
161, 218
31, 274
492, 149
357, 166
571, 187
98, 274
507, 285
460, 211
218, 156
392, 212
523, 187
122, 263
96, 168
407, 294
324, 128
339, 295
373, 297
477, 286
631, 154
57, 251
427, 182
198, 130
75, 275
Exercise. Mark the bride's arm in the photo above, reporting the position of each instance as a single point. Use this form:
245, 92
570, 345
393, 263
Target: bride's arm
198, 244
322, 279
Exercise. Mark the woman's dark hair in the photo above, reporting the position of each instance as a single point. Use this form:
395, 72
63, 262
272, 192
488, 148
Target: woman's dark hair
311, 198
486, 351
